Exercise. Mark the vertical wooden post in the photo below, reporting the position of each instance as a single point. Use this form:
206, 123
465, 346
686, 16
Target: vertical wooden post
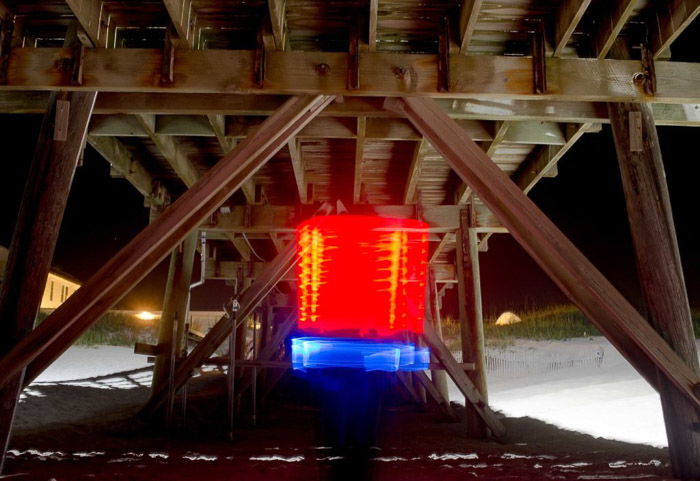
437, 375
176, 305
660, 270
60, 145
470, 314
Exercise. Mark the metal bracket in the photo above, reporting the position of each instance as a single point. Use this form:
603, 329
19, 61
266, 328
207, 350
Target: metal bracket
648, 70
167, 66
539, 66
353, 79
444, 56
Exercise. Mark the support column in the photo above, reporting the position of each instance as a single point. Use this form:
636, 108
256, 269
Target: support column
470, 315
660, 270
60, 145
437, 375
176, 304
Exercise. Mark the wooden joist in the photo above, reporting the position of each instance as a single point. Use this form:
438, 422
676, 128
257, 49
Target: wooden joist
278, 22
184, 20
612, 19
671, 18
571, 271
265, 219
468, 16
568, 15
156, 241
91, 16
295, 72
414, 172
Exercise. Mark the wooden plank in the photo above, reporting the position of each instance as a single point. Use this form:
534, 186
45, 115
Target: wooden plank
446, 239
91, 16
147, 249
566, 265
501, 129
359, 157
34, 238
176, 305
122, 160
184, 20
462, 381
468, 17
471, 319
278, 20
661, 274
258, 219
372, 25
295, 156
414, 172
568, 15
670, 20
294, 73
218, 125
612, 20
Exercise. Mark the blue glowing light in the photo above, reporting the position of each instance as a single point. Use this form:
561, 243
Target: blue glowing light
323, 352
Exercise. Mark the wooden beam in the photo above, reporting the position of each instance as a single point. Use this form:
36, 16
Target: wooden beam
121, 159
359, 157
612, 20
92, 18
35, 234
670, 19
414, 172
179, 162
567, 18
471, 319
146, 250
440, 400
172, 337
462, 381
468, 16
660, 270
249, 300
295, 156
258, 219
218, 125
184, 20
446, 239
34, 102
278, 20
293, 73
545, 158
372, 25
574, 274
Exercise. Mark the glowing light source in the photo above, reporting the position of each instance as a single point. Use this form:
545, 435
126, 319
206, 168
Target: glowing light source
361, 276
320, 352
145, 316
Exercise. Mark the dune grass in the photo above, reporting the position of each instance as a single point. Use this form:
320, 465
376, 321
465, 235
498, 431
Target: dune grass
554, 322
115, 328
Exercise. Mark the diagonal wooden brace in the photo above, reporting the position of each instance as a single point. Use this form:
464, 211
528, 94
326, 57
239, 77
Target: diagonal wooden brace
250, 299
461, 380
427, 383
146, 250
633, 336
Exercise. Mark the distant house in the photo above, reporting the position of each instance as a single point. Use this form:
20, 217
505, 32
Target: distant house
59, 286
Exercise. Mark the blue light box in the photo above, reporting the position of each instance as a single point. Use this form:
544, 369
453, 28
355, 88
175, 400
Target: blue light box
323, 352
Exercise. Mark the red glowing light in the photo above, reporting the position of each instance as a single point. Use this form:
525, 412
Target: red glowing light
361, 276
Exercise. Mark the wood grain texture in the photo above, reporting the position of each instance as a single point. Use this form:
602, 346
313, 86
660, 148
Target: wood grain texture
148, 248
670, 19
557, 256
569, 14
660, 271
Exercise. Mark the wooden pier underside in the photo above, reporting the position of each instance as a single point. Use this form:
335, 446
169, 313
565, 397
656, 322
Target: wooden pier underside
239, 118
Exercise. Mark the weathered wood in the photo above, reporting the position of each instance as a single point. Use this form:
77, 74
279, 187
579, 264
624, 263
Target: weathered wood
430, 388
372, 25
471, 320
569, 14
278, 21
571, 271
297, 160
176, 305
612, 20
34, 238
462, 381
414, 172
661, 274
184, 20
468, 16
359, 157
670, 20
255, 219
147, 249
90, 15
294, 73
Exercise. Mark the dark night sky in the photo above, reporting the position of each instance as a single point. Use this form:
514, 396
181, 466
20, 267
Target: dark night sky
585, 201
